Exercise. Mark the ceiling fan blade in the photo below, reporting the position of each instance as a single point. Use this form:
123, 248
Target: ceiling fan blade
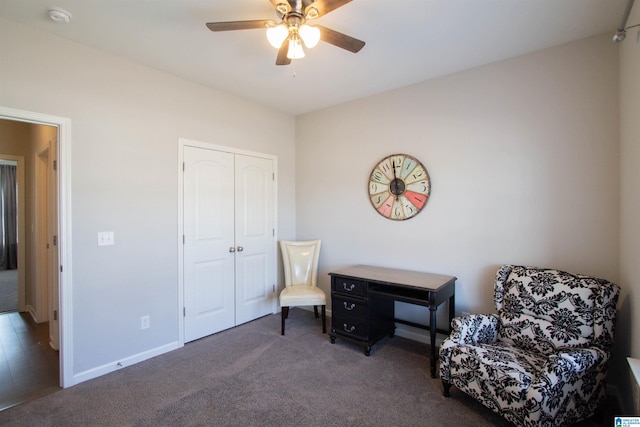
340, 40
282, 54
238, 25
325, 6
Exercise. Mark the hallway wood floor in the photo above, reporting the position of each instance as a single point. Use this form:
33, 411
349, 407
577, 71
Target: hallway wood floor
29, 367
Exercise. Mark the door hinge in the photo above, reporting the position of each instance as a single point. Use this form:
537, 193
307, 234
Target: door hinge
273, 232
184, 240
273, 176
55, 240
55, 165
60, 269
55, 314
183, 166
274, 289
184, 311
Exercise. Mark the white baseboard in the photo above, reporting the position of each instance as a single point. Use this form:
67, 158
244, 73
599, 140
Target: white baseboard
417, 334
119, 364
29, 309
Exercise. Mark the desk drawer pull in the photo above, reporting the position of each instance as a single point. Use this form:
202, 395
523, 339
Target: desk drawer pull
350, 288
349, 329
348, 306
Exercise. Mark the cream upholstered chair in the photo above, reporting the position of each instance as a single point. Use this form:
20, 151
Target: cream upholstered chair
300, 261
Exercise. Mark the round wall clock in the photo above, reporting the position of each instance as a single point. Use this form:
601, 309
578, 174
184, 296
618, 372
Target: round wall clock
399, 187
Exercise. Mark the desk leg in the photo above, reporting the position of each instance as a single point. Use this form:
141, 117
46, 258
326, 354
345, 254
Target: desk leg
432, 330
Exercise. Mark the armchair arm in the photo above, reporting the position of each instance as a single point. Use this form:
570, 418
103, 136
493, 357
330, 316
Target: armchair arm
474, 329
471, 329
570, 361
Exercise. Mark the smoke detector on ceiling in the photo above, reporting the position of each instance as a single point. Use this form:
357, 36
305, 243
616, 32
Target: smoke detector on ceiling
59, 15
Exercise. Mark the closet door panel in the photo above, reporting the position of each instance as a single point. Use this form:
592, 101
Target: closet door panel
209, 289
255, 260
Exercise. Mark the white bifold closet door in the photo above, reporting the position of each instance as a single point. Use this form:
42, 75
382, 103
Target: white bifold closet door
229, 243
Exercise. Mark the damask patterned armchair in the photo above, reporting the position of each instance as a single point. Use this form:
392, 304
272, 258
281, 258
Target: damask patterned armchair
542, 360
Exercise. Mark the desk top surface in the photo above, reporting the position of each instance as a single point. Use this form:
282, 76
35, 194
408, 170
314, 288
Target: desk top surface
415, 279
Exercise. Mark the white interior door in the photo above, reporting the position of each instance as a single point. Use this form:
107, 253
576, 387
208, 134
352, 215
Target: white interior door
209, 288
255, 260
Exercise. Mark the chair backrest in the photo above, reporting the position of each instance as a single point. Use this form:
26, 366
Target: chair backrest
543, 309
300, 260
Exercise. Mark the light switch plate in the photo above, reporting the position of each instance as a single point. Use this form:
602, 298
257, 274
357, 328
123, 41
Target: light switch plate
145, 322
105, 238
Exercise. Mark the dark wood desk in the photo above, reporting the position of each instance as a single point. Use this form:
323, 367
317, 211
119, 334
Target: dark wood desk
363, 296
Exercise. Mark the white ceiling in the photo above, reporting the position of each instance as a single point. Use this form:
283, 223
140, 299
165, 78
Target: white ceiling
408, 41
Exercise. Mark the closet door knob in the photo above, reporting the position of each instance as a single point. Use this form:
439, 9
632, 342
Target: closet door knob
232, 249
240, 249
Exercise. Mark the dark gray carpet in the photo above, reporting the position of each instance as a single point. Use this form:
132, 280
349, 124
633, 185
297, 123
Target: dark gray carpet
8, 290
252, 376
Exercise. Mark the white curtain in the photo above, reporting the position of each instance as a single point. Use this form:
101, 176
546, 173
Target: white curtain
8, 221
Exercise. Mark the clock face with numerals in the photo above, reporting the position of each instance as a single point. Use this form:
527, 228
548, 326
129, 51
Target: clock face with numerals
399, 187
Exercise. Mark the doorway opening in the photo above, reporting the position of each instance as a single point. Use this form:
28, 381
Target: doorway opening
12, 231
35, 328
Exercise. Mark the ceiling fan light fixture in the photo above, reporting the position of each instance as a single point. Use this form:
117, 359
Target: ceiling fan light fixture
295, 49
312, 13
292, 28
277, 35
282, 8
309, 35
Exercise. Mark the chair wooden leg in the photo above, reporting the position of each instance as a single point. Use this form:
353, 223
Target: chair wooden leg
284, 314
446, 385
324, 320
315, 311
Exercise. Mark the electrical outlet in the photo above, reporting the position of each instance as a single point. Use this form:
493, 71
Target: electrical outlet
145, 322
105, 238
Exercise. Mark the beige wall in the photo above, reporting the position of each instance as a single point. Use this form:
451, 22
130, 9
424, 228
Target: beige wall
629, 325
125, 123
524, 164
13, 136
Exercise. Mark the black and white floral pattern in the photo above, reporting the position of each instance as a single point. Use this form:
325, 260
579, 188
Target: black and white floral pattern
542, 360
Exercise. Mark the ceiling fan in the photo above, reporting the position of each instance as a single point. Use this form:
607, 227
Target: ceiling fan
293, 30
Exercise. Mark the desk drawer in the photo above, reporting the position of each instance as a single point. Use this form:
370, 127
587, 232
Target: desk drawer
349, 326
349, 286
346, 306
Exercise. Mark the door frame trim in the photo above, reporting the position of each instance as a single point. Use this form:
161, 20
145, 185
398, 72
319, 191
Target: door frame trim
65, 279
184, 142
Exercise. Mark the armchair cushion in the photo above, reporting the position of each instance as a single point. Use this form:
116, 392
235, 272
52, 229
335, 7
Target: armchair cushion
512, 370
573, 361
